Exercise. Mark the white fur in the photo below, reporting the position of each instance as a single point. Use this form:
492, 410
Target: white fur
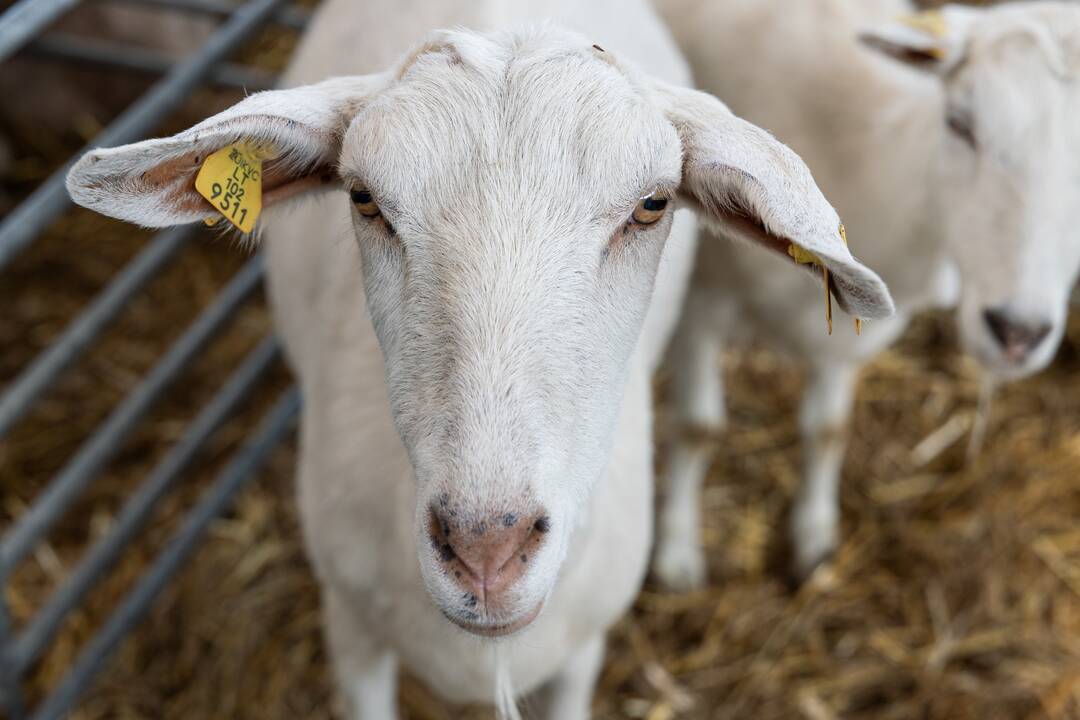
493, 353
993, 227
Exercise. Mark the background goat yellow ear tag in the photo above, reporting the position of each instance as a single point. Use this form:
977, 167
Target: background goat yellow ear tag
931, 22
802, 256
231, 179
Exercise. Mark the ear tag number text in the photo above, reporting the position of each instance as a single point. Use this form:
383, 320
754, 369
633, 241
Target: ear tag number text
231, 180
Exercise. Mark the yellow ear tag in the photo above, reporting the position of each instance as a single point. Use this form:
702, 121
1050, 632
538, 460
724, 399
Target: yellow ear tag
828, 297
231, 179
804, 257
931, 22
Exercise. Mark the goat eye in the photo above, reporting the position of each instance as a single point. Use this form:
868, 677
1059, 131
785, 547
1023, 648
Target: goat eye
365, 204
650, 209
962, 127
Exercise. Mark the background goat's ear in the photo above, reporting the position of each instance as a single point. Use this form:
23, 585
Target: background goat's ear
933, 41
152, 183
748, 185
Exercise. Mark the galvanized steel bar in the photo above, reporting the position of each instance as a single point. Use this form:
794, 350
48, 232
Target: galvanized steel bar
35, 213
130, 520
294, 18
11, 700
73, 479
25, 20
35, 379
274, 427
141, 60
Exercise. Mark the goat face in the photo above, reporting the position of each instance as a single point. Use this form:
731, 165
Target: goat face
508, 261
1007, 170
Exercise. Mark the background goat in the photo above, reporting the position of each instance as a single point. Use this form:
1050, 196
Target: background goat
950, 138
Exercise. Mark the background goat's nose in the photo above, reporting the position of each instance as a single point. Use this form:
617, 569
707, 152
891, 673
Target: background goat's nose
1015, 336
487, 556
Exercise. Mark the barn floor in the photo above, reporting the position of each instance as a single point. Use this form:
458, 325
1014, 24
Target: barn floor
956, 593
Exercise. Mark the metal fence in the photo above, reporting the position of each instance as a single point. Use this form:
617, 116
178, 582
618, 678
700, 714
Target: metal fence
21, 28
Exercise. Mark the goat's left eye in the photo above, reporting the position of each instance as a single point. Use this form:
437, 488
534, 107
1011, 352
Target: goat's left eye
650, 209
365, 204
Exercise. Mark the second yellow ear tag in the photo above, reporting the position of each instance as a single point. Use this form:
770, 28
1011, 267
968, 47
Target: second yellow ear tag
930, 22
802, 256
231, 179
934, 24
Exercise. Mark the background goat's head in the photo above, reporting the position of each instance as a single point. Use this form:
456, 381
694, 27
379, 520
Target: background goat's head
512, 194
1007, 175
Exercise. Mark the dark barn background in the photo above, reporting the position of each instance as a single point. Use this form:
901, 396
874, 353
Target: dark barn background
955, 594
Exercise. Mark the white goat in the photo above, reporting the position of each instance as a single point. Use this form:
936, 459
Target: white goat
950, 137
510, 257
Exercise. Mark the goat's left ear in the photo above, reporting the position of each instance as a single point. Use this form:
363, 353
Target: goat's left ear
750, 186
298, 132
932, 41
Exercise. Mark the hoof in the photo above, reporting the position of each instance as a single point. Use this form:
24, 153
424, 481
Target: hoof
812, 570
813, 535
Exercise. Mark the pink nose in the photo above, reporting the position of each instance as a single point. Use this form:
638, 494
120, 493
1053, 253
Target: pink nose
486, 558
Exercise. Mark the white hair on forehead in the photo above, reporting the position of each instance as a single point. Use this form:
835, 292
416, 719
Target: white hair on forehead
489, 52
540, 98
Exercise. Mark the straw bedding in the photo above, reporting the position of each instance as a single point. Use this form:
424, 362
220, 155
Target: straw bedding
955, 594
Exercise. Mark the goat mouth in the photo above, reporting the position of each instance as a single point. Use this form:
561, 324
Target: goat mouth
497, 630
1006, 366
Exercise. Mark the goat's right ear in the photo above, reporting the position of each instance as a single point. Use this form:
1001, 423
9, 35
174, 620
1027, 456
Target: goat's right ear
152, 183
750, 186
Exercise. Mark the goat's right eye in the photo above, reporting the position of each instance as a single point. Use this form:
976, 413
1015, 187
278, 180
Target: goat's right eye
650, 209
365, 204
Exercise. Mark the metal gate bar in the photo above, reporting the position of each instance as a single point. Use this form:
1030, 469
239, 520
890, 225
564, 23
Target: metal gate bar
27, 221
11, 700
100, 558
274, 427
26, 19
43, 371
81, 50
291, 17
18, 28
91, 457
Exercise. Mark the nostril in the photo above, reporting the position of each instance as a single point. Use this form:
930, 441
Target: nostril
998, 322
1016, 337
439, 532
